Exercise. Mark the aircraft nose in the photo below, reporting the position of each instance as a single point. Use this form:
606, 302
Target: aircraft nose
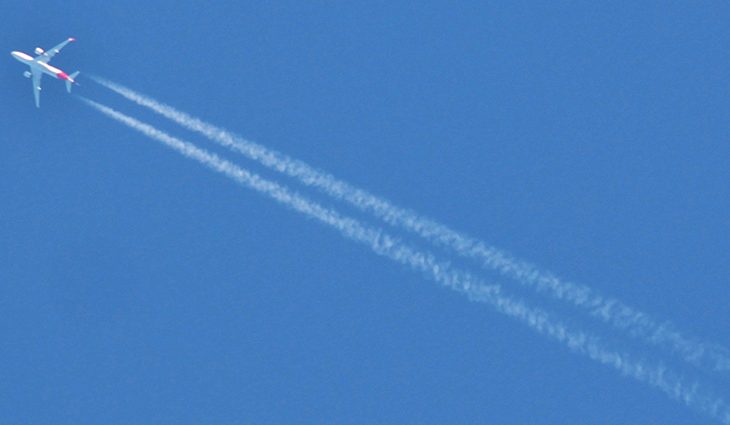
21, 56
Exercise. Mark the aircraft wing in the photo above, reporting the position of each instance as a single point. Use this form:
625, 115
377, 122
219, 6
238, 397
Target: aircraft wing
50, 53
37, 74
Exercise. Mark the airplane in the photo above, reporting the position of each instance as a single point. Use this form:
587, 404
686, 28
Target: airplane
39, 66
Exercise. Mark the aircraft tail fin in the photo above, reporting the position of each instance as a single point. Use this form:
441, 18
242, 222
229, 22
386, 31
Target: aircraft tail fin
71, 81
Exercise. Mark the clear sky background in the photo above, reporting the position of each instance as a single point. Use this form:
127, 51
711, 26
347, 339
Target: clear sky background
138, 287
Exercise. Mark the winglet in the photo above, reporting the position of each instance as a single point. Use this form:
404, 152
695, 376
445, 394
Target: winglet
71, 39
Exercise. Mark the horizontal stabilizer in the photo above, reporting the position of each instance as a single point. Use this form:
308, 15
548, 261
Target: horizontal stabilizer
71, 81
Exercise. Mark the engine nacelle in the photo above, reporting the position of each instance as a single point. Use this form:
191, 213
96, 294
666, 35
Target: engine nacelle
27, 74
38, 51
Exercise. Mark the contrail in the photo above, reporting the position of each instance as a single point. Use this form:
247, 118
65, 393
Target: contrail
612, 311
691, 394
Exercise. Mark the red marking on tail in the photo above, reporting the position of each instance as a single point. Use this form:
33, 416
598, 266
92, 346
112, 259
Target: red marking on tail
62, 76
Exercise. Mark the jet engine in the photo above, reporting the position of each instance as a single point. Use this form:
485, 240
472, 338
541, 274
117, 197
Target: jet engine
27, 74
38, 51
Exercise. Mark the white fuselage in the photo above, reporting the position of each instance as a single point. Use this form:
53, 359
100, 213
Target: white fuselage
41, 66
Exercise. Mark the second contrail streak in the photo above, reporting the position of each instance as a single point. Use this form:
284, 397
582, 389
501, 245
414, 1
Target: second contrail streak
612, 311
676, 387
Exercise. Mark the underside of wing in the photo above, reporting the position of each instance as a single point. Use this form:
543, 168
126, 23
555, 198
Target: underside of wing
50, 53
37, 86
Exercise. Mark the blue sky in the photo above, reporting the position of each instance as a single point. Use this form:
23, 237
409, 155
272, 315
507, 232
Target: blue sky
140, 287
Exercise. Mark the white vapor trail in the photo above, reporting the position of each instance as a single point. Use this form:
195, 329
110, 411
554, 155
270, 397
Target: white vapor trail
611, 311
692, 394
